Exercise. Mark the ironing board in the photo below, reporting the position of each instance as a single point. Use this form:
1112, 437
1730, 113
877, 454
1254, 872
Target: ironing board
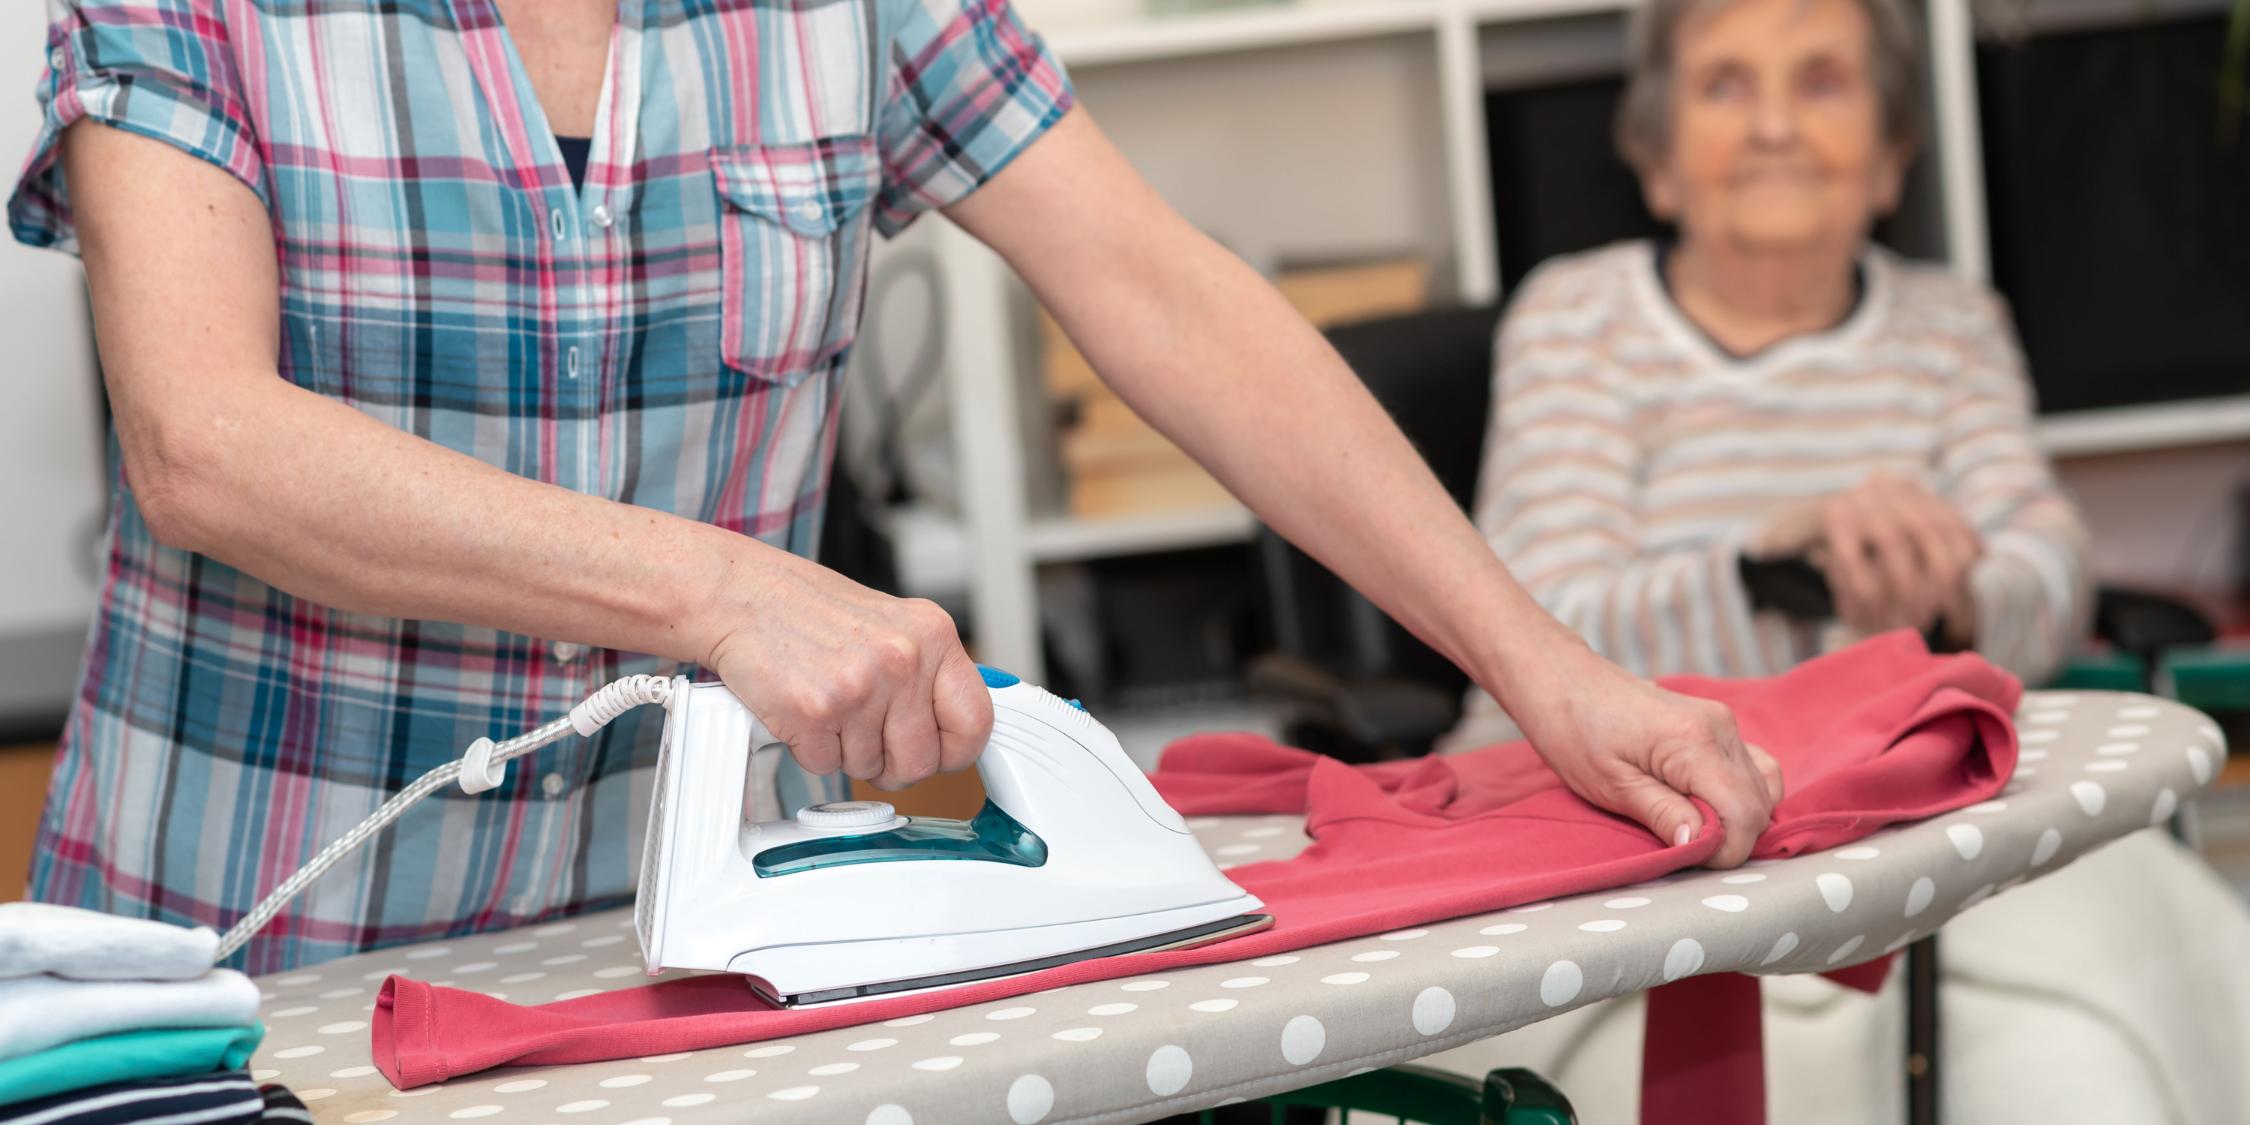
2096, 766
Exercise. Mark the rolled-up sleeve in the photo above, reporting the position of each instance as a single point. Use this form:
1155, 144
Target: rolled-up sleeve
164, 69
971, 88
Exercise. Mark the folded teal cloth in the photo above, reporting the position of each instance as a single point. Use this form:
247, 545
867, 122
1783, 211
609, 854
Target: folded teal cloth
126, 1057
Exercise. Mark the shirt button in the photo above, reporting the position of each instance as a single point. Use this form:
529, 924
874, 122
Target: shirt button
551, 785
565, 652
601, 217
560, 223
811, 209
55, 58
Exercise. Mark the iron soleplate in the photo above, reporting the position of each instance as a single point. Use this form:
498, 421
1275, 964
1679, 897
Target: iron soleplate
1187, 938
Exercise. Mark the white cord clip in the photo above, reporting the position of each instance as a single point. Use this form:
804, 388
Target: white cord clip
478, 773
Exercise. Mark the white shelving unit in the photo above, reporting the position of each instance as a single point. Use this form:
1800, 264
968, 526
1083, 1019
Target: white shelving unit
1118, 53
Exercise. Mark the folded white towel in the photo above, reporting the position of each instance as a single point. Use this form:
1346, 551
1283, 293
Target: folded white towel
37, 937
39, 1012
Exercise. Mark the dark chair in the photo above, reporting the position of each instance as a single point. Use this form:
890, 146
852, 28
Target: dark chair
1363, 686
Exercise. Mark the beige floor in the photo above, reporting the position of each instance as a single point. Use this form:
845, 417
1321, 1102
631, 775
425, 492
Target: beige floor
2223, 824
23, 785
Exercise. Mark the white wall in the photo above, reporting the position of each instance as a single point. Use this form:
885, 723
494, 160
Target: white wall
1268, 175
2165, 519
50, 451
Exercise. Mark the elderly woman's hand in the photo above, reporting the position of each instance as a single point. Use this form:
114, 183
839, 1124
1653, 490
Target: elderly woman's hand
1631, 747
1897, 556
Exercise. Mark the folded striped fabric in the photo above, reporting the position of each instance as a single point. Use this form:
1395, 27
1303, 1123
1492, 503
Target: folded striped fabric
226, 1097
284, 1107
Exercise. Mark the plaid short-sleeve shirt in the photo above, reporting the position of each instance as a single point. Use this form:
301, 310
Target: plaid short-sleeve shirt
670, 335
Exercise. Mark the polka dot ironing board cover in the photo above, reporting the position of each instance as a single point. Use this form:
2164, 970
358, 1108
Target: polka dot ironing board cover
2095, 767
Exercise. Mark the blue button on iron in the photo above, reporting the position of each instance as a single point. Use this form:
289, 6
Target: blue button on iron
995, 678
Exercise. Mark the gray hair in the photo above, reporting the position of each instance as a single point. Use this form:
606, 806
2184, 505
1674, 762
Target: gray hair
1644, 113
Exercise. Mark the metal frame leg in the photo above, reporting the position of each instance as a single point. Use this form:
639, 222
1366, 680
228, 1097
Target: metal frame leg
1922, 1032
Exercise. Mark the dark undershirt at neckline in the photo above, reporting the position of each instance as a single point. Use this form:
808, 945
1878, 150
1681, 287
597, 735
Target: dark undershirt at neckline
1666, 244
575, 151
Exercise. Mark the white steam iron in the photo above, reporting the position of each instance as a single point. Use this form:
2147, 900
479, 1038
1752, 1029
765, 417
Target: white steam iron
1072, 856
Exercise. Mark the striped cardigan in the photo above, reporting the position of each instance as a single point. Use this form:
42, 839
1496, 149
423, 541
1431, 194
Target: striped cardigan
1629, 459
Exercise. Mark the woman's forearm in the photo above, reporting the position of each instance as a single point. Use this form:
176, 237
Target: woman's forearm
1205, 349
328, 504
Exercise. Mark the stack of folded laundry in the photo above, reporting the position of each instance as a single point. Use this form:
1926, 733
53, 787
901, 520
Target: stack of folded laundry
107, 1019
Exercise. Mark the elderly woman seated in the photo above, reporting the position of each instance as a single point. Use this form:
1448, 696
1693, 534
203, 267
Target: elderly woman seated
1770, 384
1672, 417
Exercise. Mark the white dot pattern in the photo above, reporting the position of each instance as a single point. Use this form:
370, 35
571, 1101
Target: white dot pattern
1560, 984
1835, 890
1169, 1070
1851, 945
1919, 895
1684, 959
1783, 946
2091, 797
1030, 1099
1433, 1010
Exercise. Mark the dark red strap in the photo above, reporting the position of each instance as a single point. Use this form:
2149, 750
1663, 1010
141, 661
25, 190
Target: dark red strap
1703, 1061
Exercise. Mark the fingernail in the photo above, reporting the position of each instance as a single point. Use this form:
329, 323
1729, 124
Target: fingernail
1680, 835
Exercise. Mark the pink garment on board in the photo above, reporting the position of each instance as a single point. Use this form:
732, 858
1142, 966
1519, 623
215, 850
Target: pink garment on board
1875, 734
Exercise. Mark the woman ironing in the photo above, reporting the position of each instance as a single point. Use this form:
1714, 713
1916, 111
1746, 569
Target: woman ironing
468, 354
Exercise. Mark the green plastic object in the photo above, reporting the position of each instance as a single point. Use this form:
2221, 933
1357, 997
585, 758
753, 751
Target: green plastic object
1419, 1094
2112, 670
1515, 1096
2216, 678
127, 1056
993, 837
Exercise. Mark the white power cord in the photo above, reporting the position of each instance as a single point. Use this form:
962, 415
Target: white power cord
483, 767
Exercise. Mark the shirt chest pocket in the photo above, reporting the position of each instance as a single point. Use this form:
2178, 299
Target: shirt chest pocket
793, 232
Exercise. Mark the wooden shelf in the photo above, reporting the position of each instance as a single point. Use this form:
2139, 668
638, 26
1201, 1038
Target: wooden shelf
1070, 539
934, 556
